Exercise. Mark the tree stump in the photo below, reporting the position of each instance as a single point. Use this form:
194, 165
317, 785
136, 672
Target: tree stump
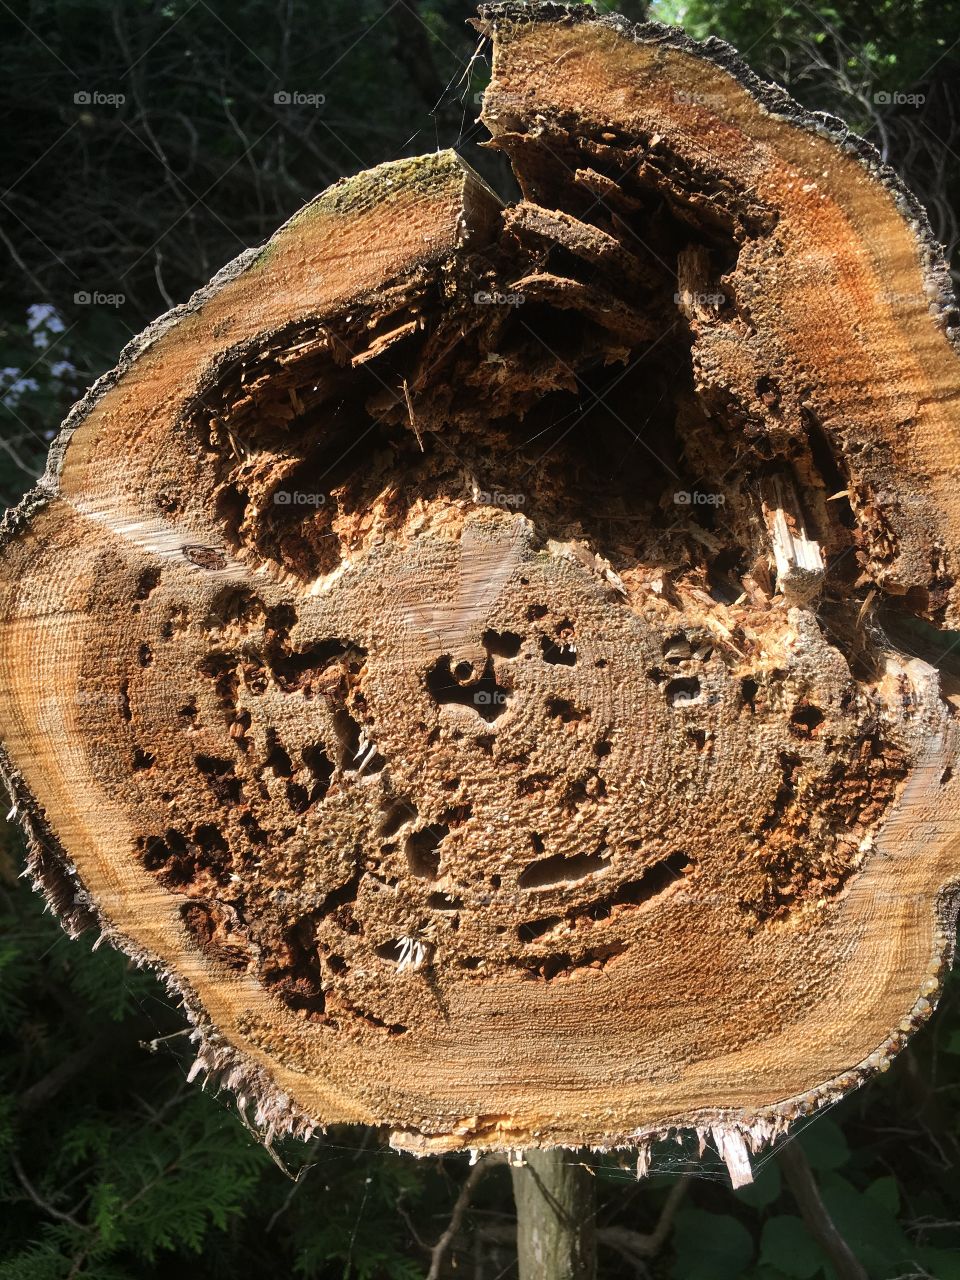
454, 648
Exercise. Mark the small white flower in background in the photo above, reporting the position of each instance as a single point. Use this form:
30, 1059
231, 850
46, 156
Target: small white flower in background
43, 321
16, 386
412, 954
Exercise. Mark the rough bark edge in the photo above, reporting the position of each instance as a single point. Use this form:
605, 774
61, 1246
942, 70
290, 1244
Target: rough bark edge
735, 1133
776, 101
52, 873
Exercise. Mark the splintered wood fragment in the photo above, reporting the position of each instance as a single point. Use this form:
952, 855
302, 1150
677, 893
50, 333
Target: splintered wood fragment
384, 341
867, 603
412, 416
733, 1152
698, 297
287, 355
610, 192
552, 228
391, 655
798, 559
570, 294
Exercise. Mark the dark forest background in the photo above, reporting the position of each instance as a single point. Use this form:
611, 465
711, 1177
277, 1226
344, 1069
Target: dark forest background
144, 145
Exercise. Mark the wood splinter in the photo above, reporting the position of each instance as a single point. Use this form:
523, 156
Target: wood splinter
798, 559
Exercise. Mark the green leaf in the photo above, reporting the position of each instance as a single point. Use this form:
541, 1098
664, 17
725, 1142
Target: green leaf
764, 1189
785, 1243
885, 1192
710, 1246
871, 1231
824, 1145
106, 1212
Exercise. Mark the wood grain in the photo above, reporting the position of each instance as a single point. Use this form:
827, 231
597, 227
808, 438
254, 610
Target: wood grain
452, 649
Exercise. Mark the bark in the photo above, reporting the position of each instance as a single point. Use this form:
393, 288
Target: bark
456, 648
556, 1207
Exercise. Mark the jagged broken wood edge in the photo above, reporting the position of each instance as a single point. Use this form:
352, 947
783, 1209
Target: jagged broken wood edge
777, 102
735, 1133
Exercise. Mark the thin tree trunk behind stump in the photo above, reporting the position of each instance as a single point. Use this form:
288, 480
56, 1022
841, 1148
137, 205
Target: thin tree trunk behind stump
556, 1226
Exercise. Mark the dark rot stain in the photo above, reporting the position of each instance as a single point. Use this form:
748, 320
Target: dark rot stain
204, 557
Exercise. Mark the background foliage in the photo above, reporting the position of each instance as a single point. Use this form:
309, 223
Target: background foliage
111, 1166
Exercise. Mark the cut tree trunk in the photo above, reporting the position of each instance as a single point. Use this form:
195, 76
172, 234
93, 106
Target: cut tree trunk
454, 649
556, 1217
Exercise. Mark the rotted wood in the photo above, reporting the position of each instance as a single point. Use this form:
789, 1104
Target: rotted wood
453, 648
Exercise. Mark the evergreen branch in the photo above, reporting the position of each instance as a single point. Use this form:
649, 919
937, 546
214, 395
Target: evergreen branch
44, 1205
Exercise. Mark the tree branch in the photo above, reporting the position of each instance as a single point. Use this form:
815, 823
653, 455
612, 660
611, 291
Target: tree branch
440, 1249
637, 1244
799, 1176
39, 1201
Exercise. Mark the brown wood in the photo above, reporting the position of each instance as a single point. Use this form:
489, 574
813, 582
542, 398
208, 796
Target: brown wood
453, 649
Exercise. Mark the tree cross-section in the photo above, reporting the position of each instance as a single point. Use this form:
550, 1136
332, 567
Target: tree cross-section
453, 648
